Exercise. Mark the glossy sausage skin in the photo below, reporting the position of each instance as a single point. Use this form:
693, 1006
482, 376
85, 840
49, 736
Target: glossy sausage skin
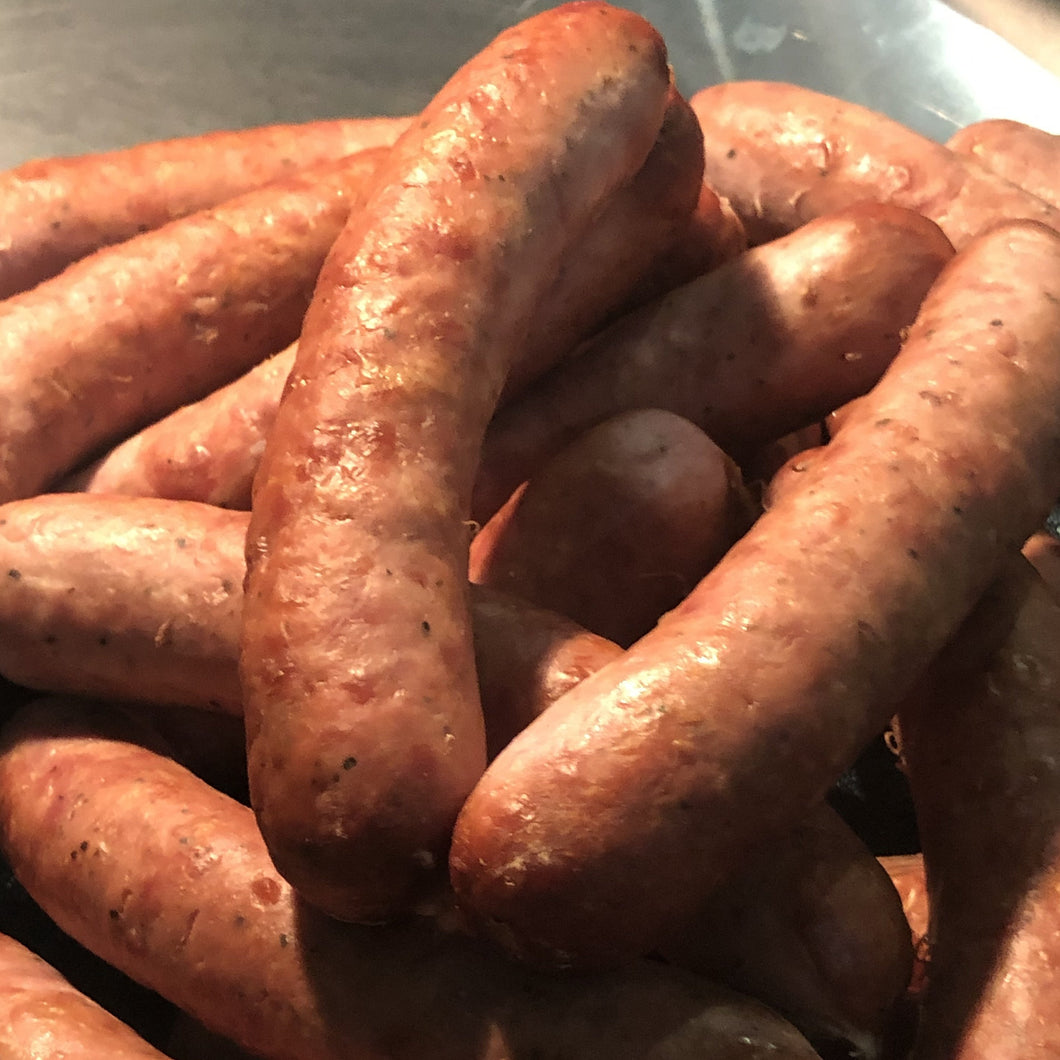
759, 347
170, 881
749, 699
1017, 152
139, 600
980, 739
364, 730
42, 1015
205, 451
619, 526
135, 330
54, 211
783, 154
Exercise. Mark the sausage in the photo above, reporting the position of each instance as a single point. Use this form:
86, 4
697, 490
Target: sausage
783, 154
170, 881
42, 1015
139, 600
741, 707
135, 330
642, 243
1017, 152
205, 451
525, 659
749, 352
420, 309
54, 211
980, 739
619, 526
812, 926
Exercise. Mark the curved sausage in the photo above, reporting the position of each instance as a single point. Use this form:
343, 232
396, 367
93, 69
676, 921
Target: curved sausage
135, 330
1017, 152
170, 881
619, 526
980, 740
54, 211
783, 154
364, 730
755, 349
741, 707
205, 451
139, 599
42, 1015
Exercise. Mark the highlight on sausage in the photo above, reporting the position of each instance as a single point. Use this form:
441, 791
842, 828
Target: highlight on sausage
422, 307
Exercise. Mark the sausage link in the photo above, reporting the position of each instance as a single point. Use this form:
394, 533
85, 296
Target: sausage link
205, 451
135, 330
364, 730
170, 881
749, 352
783, 154
54, 211
735, 714
619, 526
42, 1015
980, 739
1016, 152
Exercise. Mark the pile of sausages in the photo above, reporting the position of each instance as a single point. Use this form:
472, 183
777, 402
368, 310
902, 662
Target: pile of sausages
447, 561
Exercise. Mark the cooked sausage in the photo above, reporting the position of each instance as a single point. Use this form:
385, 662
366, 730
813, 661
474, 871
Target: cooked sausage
749, 352
170, 881
619, 526
355, 620
813, 926
783, 154
133, 331
139, 599
205, 451
54, 211
618, 810
1019, 153
42, 1015
980, 739
642, 243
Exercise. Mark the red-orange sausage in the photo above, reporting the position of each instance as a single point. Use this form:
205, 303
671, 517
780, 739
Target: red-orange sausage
42, 1015
205, 451
56, 210
133, 331
980, 739
364, 730
1017, 152
783, 154
745, 702
170, 881
619, 526
762, 346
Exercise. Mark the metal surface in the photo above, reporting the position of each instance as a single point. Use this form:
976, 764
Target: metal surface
80, 75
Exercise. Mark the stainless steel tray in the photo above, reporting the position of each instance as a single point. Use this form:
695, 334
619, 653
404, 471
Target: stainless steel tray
80, 75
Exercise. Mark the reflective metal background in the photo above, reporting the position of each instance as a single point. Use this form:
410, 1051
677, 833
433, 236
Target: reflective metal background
78, 75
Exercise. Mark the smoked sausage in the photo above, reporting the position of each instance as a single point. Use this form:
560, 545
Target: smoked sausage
364, 730
738, 710
783, 154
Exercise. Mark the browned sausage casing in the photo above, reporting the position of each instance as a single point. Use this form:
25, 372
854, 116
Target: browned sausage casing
980, 739
619, 526
170, 881
759, 347
364, 730
1017, 152
133, 331
783, 154
56, 210
746, 701
42, 1015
